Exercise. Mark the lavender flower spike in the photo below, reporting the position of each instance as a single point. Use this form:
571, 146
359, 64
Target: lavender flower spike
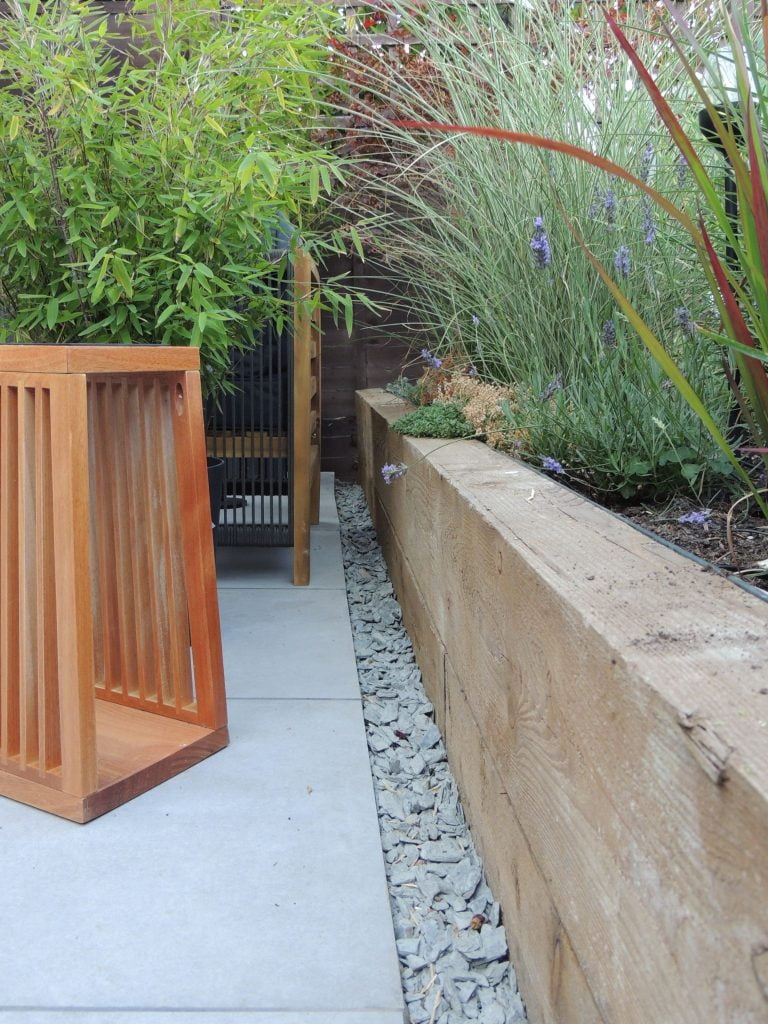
682, 170
393, 471
646, 163
540, 246
609, 335
623, 262
430, 359
649, 225
684, 321
551, 465
552, 387
699, 518
609, 205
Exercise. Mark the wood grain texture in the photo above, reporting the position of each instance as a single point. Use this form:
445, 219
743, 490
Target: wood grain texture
197, 549
302, 399
97, 358
615, 691
110, 649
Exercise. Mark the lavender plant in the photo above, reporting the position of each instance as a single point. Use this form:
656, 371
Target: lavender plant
477, 231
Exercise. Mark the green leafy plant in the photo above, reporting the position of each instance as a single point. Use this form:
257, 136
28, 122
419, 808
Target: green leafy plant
143, 193
403, 388
441, 419
511, 293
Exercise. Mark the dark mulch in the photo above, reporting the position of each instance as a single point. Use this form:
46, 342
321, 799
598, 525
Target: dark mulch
749, 534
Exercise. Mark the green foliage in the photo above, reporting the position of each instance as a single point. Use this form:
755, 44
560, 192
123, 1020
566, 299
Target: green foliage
403, 388
458, 225
442, 419
141, 198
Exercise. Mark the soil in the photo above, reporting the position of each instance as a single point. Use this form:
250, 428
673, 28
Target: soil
745, 556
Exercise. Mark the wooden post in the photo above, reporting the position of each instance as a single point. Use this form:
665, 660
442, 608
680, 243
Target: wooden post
302, 397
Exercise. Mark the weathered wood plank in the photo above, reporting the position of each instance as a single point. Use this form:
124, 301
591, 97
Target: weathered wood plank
586, 652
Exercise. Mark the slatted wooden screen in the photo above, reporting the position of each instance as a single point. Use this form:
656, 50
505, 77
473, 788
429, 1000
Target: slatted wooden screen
142, 649
30, 733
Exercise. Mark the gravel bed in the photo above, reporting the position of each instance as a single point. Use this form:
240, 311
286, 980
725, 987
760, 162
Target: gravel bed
452, 947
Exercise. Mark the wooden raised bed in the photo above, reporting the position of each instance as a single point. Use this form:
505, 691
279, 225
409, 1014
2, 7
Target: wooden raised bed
111, 675
605, 707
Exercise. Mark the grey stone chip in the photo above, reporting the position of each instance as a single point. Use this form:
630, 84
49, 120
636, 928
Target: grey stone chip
454, 965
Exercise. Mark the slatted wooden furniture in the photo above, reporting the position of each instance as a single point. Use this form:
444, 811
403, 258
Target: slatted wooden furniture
111, 675
268, 430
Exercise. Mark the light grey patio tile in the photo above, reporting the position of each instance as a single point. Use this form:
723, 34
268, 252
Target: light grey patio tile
247, 567
287, 643
149, 1016
328, 510
252, 881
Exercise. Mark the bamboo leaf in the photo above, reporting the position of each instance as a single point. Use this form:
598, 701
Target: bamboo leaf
52, 312
110, 217
211, 122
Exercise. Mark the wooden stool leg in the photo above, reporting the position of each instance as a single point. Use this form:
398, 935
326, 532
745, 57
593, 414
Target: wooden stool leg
74, 613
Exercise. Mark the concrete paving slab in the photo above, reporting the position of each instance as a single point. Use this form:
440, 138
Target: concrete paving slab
245, 567
288, 643
252, 882
152, 1016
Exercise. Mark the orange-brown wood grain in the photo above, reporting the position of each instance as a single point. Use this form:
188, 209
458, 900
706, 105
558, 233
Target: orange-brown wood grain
107, 579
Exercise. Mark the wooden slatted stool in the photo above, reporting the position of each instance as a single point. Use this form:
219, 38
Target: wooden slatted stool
111, 672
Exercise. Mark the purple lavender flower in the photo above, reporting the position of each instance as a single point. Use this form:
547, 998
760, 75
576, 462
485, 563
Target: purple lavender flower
609, 335
684, 321
609, 205
552, 387
649, 225
475, 320
551, 465
699, 518
471, 370
646, 163
623, 261
682, 170
430, 359
393, 471
597, 202
540, 246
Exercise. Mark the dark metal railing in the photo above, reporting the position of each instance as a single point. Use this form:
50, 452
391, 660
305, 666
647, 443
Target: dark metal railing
250, 429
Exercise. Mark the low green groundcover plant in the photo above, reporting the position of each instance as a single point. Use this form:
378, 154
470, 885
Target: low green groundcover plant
441, 419
141, 197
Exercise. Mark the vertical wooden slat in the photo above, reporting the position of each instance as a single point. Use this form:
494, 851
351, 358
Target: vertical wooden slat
148, 513
48, 682
119, 512
136, 526
99, 644
9, 574
155, 511
173, 512
302, 341
74, 609
102, 494
197, 546
28, 726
